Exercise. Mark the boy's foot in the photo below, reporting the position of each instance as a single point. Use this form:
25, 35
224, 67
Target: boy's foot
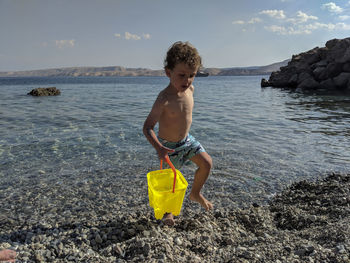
203, 202
168, 219
7, 255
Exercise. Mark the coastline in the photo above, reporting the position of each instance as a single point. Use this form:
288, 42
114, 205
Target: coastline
307, 222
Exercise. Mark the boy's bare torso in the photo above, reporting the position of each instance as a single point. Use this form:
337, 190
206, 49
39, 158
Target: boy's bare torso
176, 118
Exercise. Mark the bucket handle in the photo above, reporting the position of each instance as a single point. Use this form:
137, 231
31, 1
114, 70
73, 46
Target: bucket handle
167, 159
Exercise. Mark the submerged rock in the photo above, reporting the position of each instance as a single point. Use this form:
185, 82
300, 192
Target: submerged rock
51, 91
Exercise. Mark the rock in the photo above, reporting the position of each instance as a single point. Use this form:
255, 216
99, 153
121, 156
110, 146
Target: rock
98, 239
322, 69
51, 91
327, 84
178, 241
264, 83
308, 83
342, 79
346, 67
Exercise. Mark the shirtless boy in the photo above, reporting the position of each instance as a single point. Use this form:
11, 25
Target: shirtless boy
173, 111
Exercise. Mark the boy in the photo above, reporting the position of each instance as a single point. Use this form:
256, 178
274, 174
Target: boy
173, 111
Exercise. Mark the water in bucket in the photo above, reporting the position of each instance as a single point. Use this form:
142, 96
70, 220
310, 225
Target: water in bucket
166, 190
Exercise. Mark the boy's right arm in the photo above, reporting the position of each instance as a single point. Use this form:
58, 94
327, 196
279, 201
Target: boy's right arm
150, 123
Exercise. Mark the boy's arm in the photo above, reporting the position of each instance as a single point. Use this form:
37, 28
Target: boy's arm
150, 123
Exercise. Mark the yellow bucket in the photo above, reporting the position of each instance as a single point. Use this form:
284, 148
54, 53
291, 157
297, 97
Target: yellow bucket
166, 190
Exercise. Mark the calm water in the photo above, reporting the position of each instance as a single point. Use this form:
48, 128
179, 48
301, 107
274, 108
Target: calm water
258, 138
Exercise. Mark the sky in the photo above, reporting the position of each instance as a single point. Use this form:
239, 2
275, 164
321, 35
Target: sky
41, 34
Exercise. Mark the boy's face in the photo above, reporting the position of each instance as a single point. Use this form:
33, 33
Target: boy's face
181, 76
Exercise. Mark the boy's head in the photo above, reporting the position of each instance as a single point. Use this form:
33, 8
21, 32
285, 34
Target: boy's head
182, 52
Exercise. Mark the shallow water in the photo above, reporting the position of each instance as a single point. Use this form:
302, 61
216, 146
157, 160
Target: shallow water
260, 139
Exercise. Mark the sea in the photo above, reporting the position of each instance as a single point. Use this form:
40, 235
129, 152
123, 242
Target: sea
260, 139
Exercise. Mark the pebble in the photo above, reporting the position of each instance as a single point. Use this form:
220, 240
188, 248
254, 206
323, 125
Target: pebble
100, 231
178, 241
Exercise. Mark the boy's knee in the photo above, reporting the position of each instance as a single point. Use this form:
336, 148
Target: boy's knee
207, 163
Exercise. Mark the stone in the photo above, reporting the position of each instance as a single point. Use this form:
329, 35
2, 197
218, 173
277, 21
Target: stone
333, 69
178, 241
327, 84
51, 91
320, 69
98, 239
346, 67
308, 83
264, 83
342, 80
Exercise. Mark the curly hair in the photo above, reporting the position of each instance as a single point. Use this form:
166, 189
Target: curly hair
182, 52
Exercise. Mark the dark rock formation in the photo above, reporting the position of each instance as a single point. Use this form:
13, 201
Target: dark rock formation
325, 69
51, 91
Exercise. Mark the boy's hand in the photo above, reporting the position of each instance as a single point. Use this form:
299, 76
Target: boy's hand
163, 152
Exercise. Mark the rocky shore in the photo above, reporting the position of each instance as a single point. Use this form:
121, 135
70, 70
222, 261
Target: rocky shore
321, 70
307, 222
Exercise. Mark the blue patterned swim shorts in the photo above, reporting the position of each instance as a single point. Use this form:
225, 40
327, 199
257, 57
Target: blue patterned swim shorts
184, 150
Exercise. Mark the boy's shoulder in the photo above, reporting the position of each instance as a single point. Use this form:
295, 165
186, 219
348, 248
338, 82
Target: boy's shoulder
163, 96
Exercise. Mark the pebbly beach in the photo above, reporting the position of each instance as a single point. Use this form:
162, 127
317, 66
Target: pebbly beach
309, 221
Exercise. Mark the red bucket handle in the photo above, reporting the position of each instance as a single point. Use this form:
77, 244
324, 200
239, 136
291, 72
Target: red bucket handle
167, 159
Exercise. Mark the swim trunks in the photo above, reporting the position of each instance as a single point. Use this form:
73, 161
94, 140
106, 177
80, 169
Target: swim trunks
184, 150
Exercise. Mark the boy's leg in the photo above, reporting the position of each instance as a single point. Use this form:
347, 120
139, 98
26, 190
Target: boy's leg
204, 163
168, 219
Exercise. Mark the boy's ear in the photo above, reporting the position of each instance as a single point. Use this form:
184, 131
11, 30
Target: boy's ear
167, 72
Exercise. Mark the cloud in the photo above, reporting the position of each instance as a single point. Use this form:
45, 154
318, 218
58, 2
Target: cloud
146, 36
130, 36
333, 8
343, 18
342, 26
306, 29
281, 30
297, 24
254, 20
65, 43
302, 17
279, 14
238, 22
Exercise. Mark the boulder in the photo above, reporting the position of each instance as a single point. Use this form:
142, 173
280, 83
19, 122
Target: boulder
51, 91
342, 79
327, 84
264, 83
346, 67
308, 83
324, 69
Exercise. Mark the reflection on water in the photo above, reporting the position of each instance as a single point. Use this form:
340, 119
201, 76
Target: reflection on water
330, 114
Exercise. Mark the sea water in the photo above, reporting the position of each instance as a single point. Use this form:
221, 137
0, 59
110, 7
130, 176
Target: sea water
258, 138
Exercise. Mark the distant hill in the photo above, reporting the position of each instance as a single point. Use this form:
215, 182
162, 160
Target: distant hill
247, 71
122, 71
